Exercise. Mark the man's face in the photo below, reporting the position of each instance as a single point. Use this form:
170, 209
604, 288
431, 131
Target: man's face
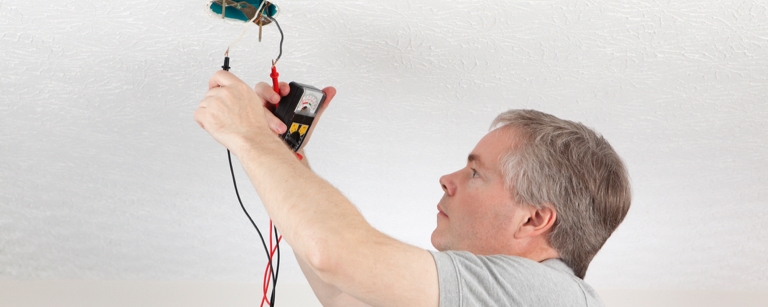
477, 213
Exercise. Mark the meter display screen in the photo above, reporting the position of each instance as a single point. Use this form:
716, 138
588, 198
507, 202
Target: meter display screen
309, 102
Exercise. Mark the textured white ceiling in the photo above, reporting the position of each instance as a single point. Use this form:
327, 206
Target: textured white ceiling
105, 175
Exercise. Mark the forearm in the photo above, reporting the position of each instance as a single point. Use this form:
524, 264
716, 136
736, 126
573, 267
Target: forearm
324, 291
313, 216
328, 294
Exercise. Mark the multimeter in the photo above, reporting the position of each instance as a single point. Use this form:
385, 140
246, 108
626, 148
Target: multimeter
298, 110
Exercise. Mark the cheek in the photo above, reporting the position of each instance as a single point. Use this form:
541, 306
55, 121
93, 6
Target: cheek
491, 216
472, 219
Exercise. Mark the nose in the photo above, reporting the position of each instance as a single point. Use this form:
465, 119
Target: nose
448, 184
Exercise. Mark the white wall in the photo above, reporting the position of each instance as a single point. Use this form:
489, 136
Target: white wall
104, 175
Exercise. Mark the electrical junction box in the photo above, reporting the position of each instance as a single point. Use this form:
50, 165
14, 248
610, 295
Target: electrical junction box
243, 10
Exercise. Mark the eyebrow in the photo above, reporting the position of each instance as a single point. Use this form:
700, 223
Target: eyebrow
475, 158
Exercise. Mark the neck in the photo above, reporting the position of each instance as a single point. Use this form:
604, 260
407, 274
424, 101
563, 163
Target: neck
538, 250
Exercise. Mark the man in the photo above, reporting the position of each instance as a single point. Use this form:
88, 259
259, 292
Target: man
517, 226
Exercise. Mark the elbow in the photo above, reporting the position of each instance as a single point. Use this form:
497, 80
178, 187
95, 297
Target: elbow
334, 254
320, 262
336, 257
323, 257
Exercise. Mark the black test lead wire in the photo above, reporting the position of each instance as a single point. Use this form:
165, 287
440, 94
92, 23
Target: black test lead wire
239, 200
275, 270
275, 273
234, 182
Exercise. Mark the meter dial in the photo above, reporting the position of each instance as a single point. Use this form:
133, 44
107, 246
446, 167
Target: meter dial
309, 102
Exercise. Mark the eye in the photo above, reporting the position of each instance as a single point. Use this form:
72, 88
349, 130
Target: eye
474, 173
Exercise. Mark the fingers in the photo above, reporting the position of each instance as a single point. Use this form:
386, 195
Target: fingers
284, 89
276, 124
203, 113
216, 91
266, 92
199, 116
263, 90
330, 92
232, 109
222, 78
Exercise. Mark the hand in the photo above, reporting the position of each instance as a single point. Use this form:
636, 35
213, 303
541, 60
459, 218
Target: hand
233, 113
285, 89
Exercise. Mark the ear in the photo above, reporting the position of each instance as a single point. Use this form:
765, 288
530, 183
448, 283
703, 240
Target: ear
539, 221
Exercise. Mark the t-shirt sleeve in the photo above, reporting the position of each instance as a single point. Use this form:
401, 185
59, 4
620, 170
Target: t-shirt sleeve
467, 280
448, 280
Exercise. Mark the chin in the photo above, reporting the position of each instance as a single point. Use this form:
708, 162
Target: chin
438, 241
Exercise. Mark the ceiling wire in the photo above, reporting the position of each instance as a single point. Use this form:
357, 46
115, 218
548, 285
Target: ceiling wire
259, 12
282, 37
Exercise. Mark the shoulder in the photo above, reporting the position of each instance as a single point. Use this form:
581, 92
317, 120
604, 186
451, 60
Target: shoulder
501, 280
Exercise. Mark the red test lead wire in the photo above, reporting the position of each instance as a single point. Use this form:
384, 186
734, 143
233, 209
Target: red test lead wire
267, 271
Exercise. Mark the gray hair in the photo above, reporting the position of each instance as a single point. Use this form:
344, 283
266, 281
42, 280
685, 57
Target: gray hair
570, 167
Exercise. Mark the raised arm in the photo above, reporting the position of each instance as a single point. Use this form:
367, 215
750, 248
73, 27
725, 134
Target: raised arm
321, 225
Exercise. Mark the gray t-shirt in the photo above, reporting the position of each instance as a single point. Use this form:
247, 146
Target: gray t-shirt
468, 280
